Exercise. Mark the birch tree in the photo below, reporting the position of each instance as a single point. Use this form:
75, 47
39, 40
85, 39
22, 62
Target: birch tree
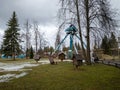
36, 36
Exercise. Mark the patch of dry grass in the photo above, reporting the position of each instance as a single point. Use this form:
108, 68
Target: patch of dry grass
64, 77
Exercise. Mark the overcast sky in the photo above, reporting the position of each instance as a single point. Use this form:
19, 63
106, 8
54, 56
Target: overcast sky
42, 11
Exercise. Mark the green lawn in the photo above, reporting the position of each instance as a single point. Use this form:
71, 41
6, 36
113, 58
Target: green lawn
64, 77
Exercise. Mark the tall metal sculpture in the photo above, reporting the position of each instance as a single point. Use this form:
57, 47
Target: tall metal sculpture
70, 31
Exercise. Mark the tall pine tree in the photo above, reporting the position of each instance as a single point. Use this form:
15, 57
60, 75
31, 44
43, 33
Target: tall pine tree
11, 39
113, 41
31, 53
105, 45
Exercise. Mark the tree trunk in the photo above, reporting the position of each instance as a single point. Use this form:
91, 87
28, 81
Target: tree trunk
13, 53
79, 28
88, 31
36, 41
27, 26
36, 36
14, 57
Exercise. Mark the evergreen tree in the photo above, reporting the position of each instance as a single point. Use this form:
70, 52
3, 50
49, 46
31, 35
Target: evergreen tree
11, 39
1, 50
27, 53
65, 49
46, 49
113, 42
41, 51
105, 45
31, 53
51, 49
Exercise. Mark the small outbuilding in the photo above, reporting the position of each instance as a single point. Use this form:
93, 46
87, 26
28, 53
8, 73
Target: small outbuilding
61, 56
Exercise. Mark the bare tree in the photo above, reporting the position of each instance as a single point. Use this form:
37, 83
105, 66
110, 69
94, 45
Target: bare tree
36, 32
59, 35
72, 8
100, 16
40, 41
57, 41
93, 16
79, 27
27, 35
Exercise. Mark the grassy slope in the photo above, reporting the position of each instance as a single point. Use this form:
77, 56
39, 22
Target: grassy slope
64, 77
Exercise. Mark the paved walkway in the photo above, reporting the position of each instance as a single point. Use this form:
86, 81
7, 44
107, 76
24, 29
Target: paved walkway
115, 63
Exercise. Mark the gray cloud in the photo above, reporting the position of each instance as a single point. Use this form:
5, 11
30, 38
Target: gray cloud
42, 11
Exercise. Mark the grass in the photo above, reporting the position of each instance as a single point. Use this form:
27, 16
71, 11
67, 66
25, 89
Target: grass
109, 57
16, 61
64, 77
